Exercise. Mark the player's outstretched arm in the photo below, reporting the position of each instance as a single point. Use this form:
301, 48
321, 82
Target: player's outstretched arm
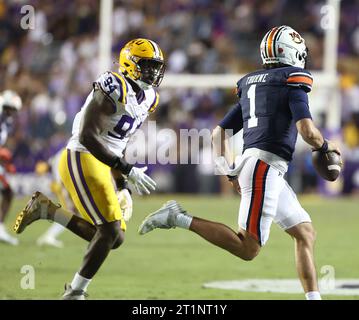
219, 142
313, 137
230, 125
222, 155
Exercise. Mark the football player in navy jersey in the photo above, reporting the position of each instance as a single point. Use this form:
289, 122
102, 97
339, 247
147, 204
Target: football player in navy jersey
272, 109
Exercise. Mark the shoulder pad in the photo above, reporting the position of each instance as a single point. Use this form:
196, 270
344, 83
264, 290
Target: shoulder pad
114, 86
302, 78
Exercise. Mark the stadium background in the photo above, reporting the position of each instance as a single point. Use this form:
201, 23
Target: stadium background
52, 68
53, 65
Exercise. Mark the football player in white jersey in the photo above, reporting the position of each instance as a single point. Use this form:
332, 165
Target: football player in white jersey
118, 104
50, 236
10, 104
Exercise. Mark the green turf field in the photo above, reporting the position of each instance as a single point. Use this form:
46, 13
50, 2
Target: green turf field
174, 264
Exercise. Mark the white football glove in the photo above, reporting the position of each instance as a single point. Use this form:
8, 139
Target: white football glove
125, 201
141, 181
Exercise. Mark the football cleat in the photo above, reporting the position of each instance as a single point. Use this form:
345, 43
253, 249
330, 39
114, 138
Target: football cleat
35, 209
163, 218
71, 294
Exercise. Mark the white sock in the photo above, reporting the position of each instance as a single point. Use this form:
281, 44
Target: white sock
79, 282
183, 220
313, 295
62, 216
55, 230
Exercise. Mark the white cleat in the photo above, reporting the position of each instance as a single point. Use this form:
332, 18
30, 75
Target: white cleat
7, 238
163, 218
71, 294
49, 241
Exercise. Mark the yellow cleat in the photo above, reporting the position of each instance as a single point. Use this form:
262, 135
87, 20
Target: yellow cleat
35, 209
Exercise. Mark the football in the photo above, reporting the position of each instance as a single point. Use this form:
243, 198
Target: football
327, 164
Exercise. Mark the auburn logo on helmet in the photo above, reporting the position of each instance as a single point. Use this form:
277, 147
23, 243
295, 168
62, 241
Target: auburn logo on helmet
296, 37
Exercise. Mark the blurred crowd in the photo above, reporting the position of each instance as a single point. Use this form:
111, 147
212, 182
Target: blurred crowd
53, 65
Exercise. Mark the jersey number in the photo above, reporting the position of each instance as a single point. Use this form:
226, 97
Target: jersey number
125, 125
110, 87
251, 94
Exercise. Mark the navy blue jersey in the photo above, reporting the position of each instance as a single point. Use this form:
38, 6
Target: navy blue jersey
270, 103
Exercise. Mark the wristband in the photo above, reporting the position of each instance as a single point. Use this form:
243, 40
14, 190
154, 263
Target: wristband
122, 165
324, 147
122, 184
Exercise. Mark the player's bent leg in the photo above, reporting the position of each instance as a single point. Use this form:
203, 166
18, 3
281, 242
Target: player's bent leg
304, 236
41, 207
240, 244
50, 236
104, 239
82, 228
108, 236
172, 215
260, 186
86, 230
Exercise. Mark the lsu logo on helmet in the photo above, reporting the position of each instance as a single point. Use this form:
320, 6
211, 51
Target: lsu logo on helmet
142, 61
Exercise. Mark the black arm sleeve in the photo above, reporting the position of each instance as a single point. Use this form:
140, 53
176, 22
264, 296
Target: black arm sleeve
233, 119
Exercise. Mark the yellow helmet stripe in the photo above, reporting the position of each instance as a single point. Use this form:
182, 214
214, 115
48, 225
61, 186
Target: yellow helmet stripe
123, 87
155, 103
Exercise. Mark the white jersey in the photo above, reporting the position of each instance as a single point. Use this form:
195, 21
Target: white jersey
130, 112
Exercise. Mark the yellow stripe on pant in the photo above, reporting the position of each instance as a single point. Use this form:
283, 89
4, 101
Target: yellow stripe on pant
89, 182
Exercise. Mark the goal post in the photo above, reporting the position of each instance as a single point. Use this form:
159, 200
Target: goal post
325, 97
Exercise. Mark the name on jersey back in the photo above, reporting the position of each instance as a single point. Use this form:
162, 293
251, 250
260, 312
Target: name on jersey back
257, 78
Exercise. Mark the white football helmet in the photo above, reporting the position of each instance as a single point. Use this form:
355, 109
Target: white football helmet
10, 99
283, 45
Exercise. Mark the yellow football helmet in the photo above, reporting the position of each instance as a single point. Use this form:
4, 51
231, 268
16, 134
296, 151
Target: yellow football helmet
142, 61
